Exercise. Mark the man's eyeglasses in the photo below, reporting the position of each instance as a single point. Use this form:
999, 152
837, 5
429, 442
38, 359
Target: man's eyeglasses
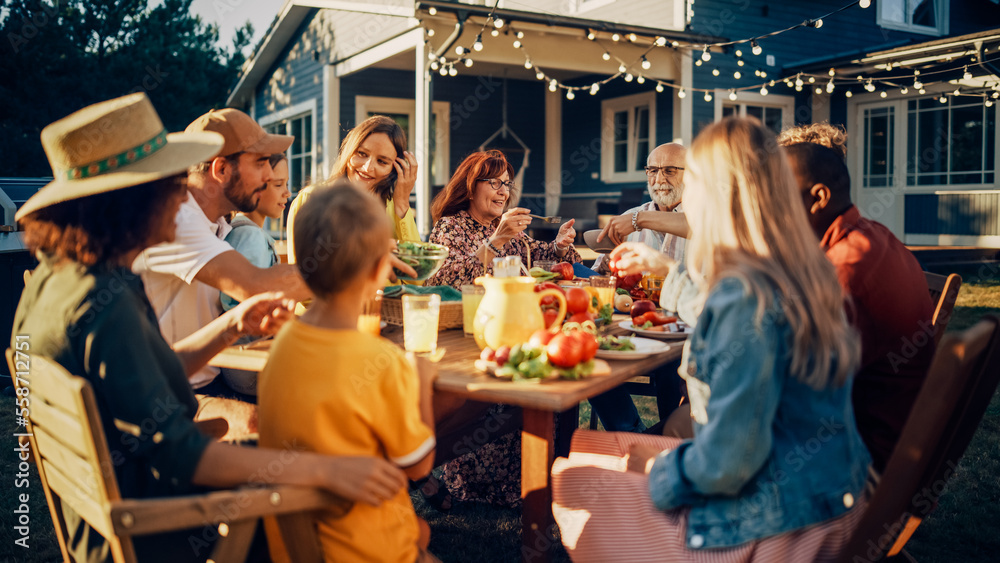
497, 183
668, 171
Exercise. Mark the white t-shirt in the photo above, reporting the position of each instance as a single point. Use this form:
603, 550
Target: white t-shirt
182, 304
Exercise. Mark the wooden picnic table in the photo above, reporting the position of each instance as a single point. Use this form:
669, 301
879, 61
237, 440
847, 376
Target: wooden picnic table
539, 402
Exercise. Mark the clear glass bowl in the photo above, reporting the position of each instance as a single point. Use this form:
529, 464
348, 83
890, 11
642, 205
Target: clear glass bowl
425, 257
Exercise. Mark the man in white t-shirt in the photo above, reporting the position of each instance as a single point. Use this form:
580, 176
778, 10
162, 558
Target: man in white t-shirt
183, 278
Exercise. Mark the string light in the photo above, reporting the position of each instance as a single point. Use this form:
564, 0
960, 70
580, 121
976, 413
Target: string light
865, 3
498, 23
882, 94
641, 79
444, 71
629, 77
434, 65
816, 23
869, 86
848, 94
812, 79
553, 85
517, 43
468, 62
615, 37
495, 33
715, 71
737, 75
591, 36
661, 41
459, 50
705, 55
732, 95
738, 53
645, 63
519, 35
432, 11
763, 90
708, 96
570, 95
527, 64
430, 33
832, 73
681, 93
622, 68
943, 100
594, 88
632, 37
967, 75
739, 62
452, 71
697, 63
922, 91
540, 75
988, 103
818, 90
478, 45
659, 87
904, 90
606, 56
829, 87
755, 47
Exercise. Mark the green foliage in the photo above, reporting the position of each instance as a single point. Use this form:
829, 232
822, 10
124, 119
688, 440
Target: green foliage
59, 56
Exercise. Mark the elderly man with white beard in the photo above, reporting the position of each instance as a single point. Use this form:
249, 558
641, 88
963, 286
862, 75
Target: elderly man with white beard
665, 182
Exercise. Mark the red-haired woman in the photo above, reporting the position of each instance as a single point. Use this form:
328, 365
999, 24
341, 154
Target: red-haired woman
471, 218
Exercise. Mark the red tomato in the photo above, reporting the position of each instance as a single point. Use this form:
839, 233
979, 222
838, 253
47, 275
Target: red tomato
548, 285
540, 338
577, 300
549, 317
564, 351
580, 317
548, 302
587, 342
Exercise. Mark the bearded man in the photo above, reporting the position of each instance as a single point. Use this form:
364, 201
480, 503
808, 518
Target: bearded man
665, 183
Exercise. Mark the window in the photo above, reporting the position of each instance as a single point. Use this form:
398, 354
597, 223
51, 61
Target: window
774, 111
879, 131
929, 17
951, 143
300, 154
627, 136
403, 112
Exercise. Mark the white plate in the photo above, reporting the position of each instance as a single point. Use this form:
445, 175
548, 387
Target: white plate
644, 347
627, 325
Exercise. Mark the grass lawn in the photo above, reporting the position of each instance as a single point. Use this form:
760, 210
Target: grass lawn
963, 528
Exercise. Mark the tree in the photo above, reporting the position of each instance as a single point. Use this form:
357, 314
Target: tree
57, 56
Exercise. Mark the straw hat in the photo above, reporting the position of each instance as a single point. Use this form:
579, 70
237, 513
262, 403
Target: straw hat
112, 145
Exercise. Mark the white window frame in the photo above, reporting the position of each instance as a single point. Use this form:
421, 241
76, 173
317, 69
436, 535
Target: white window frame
941, 7
608, 109
295, 112
442, 111
743, 99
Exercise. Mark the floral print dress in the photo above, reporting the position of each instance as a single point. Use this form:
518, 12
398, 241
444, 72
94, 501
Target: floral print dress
493, 472
463, 235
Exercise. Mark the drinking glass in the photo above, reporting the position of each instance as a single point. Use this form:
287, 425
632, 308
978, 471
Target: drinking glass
370, 320
605, 286
472, 295
420, 323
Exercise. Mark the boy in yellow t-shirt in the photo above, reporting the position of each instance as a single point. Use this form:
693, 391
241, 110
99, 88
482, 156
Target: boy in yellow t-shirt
331, 389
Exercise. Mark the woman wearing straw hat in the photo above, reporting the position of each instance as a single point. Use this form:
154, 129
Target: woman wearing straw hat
119, 180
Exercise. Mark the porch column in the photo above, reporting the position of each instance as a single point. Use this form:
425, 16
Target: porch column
423, 98
683, 118
331, 120
553, 152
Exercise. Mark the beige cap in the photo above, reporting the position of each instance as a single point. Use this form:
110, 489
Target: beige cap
113, 145
241, 132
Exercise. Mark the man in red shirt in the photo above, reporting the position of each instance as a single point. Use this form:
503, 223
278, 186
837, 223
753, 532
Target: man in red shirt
891, 306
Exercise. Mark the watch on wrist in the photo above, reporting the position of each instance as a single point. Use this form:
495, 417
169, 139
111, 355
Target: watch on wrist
635, 221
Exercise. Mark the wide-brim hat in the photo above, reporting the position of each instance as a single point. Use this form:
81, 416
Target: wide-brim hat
241, 132
113, 145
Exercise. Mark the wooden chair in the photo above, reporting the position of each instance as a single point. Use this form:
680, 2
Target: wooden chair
944, 293
76, 470
959, 386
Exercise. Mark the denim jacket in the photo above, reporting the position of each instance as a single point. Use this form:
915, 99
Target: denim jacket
769, 454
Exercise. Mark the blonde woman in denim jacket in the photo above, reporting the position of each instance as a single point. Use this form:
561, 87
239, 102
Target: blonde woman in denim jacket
776, 469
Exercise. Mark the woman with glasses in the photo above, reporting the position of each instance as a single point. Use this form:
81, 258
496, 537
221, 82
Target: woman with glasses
472, 219
373, 156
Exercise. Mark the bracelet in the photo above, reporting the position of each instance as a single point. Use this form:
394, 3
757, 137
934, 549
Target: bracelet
635, 221
493, 249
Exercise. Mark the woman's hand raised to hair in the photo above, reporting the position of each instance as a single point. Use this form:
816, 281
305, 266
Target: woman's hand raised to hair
636, 257
370, 480
512, 224
406, 178
262, 315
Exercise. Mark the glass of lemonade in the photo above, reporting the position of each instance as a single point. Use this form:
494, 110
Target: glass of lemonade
370, 320
472, 295
420, 323
605, 286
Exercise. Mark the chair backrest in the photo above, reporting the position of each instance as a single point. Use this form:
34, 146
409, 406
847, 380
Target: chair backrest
67, 440
959, 386
944, 293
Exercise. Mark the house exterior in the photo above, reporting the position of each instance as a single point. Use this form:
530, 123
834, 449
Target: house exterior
577, 92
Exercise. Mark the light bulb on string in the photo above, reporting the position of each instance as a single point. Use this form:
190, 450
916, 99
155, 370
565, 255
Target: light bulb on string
459, 50
570, 95
957, 92
632, 37
615, 37
540, 75
798, 81
705, 55
816, 23
675, 44
432, 11
681, 93
904, 90
865, 3
732, 95
883, 94
430, 33
708, 97
527, 64
606, 56
763, 74
917, 85
943, 100
553, 85
519, 35
738, 53
517, 43
497, 23
622, 67
737, 75
967, 75
444, 71
832, 73
468, 62
641, 79
661, 41
988, 103
829, 87
452, 71
628, 77
922, 91
594, 88
494, 33
591, 36
848, 94
432, 56
659, 87
812, 79
818, 90
869, 86
645, 64
478, 45
755, 47
996, 95
739, 62
715, 71
434, 65
763, 90
697, 62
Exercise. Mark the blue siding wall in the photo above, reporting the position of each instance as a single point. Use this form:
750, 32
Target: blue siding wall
296, 77
475, 112
851, 29
581, 135
953, 214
